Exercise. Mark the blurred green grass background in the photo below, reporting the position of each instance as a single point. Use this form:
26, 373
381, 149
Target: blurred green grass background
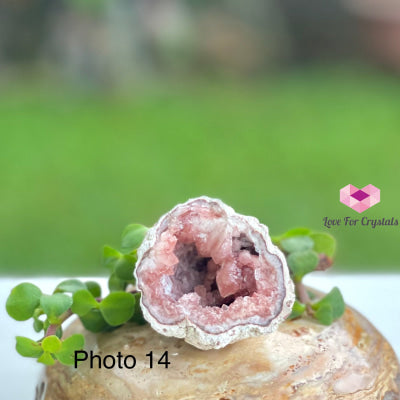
77, 166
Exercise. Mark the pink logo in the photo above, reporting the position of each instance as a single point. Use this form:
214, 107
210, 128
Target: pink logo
360, 199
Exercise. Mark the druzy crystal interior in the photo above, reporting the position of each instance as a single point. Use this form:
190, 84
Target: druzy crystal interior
205, 271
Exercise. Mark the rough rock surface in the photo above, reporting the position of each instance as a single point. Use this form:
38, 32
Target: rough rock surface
212, 276
303, 360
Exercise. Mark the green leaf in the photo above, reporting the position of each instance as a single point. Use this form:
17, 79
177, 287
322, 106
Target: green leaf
297, 310
93, 288
52, 344
55, 305
83, 302
334, 300
302, 262
59, 332
132, 237
110, 257
68, 347
292, 232
297, 243
28, 347
120, 264
46, 324
125, 266
46, 358
117, 308
324, 314
37, 325
116, 284
93, 321
22, 301
137, 316
70, 286
324, 243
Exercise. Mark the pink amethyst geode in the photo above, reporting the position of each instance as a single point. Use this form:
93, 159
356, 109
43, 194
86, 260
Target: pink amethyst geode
212, 276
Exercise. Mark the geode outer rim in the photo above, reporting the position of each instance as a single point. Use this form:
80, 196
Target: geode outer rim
185, 328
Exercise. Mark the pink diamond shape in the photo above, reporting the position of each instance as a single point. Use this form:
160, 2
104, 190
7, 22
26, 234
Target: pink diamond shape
360, 199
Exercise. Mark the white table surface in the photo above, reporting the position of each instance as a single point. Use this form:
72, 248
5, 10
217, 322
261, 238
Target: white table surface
376, 296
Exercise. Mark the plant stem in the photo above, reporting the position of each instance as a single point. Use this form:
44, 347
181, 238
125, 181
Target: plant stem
302, 295
53, 327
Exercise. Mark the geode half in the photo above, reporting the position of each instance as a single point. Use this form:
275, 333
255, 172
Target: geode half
212, 276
